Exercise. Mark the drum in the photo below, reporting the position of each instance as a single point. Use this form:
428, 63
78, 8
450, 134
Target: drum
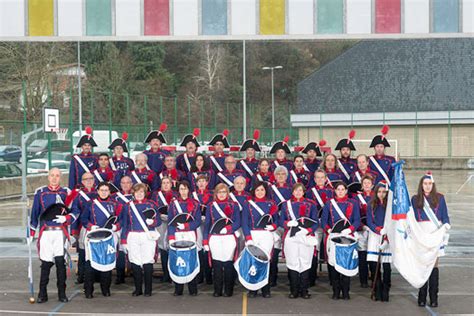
344, 255
183, 261
253, 268
100, 247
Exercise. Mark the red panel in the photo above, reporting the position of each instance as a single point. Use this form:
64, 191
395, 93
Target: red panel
387, 16
157, 17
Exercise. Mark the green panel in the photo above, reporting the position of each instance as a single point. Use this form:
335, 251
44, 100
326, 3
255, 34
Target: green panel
98, 17
330, 16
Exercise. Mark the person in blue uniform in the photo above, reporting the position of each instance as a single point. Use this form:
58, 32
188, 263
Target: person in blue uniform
217, 159
299, 249
120, 164
171, 171
96, 214
363, 168
263, 173
312, 151
330, 166
139, 237
184, 203
230, 172
51, 234
299, 174
222, 244
346, 164
280, 150
141, 174
156, 155
103, 172
82, 196
429, 200
249, 164
185, 160
86, 161
376, 209
379, 161
350, 210
201, 167
258, 206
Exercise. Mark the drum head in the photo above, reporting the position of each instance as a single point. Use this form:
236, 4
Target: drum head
306, 222
163, 210
53, 210
110, 221
340, 226
203, 208
219, 225
265, 220
99, 234
149, 213
181, 244
354, 187
181, 219
342, 240
257, 252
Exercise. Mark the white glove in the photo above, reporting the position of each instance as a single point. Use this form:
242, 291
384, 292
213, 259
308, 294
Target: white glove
125, 248
29, 240
384, 245
447, 226
180, 226
302, 231
206, 248
94, 227
114, 227
149, 221
223, 231
72, 240
292, 223
60, 219
237, 234
383, 231
163, 217
329, 231
365, 228
269, 228
346, 231
249, 242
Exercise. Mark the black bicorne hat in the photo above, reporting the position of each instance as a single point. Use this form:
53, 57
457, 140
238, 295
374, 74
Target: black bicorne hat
221, 137
251, 143
346, 142
158, 134
87, 138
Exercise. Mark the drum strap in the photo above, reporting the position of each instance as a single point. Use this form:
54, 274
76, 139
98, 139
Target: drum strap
344, 171
136, 177
259, 177
196, 196
277, 192
84, 196
102, 208
382, 172
219, 210
317, 196
112, 165
83, 165
232, 196
98, 176
216, 164
246, 167
162, 198
358, 176
430, 214
294, 176
305, 167
123, 197
257, 208
186, 161
178, 207
338, 210
361, 199
276, 163
139, 218
290, 210
224, 178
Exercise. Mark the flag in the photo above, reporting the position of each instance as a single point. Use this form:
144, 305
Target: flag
414, 251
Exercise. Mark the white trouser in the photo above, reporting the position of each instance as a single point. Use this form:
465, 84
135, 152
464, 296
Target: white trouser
264, 240
222, 247
82, 237
141, 249
185, 235
373, 249
163, 229
51, 244
299, 252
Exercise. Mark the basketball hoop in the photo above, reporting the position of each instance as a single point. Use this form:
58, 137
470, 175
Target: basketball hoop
61, 133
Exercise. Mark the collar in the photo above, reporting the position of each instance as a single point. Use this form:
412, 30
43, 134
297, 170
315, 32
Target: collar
343, 199
310, 160
56, 188
141, 169
103, 200
117, 158
104, 169
219, 155
345, 159
222, 201
330, 170
182, 200
86, 154
239, 194
155, 151
230, 172
299, 171
86, 190
250, 160
281, 161
202, 191
256, 199
379, 156
189, 156
139, 201
281, 186
320, 187
370, 193
126, 193
293, 199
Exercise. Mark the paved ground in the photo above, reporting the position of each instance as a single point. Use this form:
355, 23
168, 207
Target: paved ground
456, 283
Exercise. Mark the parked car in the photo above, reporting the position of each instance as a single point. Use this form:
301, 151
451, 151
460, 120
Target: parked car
9, 169
54, 155
103, 138
136, 148
42, 165
39, 146
10, 153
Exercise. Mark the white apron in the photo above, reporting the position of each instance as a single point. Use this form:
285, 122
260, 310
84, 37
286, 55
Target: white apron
141, 249
222, 247
264, 240
51, 244
299, 252
373, 249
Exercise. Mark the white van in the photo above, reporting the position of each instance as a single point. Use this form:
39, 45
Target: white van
101, 137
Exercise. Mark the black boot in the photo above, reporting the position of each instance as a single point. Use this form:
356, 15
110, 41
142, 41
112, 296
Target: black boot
294, 277
229, 277
61, 278
81, 261
89, 277
218, 268
44, 280
422, 295
164, 266
207, 268
313, 271
335, 282
274, 267
138, 279
387, 282
434, 287
120, 268
363, 269
266, 291
345, 287
304, 284
193, 287
105, 282
148, 275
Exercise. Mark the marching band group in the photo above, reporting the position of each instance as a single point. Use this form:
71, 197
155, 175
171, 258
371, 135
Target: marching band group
159, 205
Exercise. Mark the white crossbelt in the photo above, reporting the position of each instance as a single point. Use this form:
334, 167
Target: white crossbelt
305, 167
275, 189
112, 165
293, 175
219, 210
246, 167
317, 196
214, 161
257, 208
379, 168
361, 199
232, 196
98, 176
196, 196
102, 208
358, 176
186, 161
139, 218
430, 214
123, 197
290, 210
83, 165
162, 198
259, 177
136, 177
344, 171
338, 210
224, 178
85, 196
178, 206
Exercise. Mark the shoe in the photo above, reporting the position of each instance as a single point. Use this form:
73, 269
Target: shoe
193, 294
422, 304
252, 294
42, 300
306, 296
346, 297
89, 296
106, 294
227, 294
135, 293
434, 304
147, 294
63, 299
217, 294
177, 294
364, 285
335, 296
292, 296
266, 295
119, 281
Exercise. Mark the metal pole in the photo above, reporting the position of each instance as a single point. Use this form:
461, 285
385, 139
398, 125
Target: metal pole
23, 103
110, 117
145, 113
244, 84
273, 111
127, 103
79, 85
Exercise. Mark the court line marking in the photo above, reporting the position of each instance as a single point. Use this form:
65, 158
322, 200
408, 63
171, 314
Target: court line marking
58, 307
244, 304
426, 306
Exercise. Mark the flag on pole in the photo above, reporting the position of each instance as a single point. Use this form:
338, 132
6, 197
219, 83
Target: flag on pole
414, 250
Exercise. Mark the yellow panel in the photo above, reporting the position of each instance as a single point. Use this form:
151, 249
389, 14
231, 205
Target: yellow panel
41, 17
272, 17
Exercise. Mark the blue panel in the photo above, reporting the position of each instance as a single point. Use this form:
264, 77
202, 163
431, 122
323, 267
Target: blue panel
446, 16
214, 17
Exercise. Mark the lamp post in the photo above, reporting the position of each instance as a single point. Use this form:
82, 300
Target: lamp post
273, 99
